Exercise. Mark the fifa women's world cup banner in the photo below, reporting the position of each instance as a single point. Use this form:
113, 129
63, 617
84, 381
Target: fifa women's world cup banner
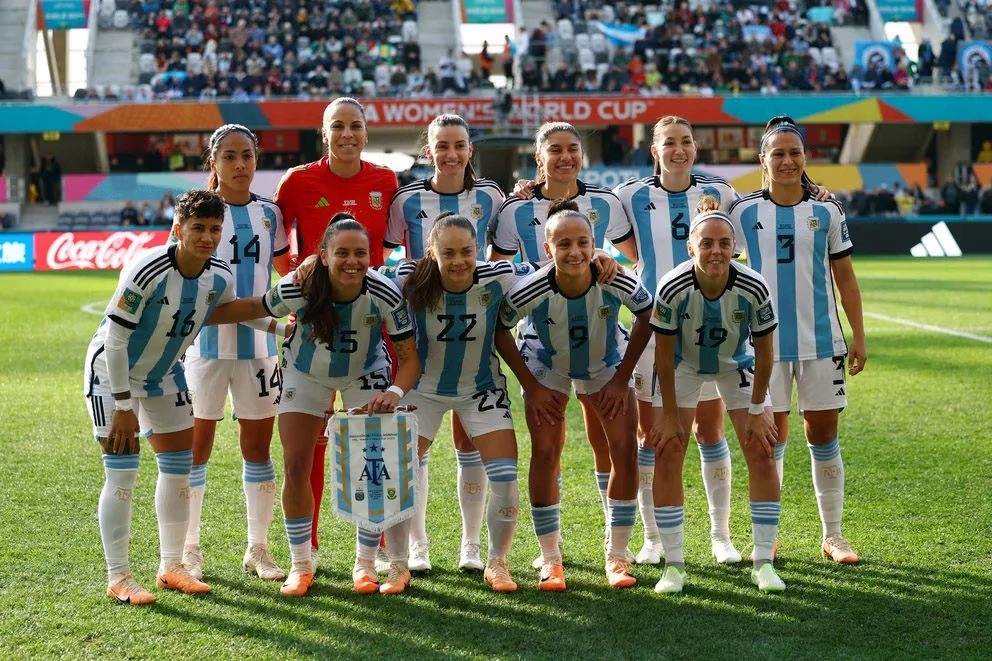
375, 468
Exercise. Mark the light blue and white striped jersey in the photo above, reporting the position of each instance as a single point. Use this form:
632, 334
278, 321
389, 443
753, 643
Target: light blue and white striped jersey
659, 219
253, 234
579, 337
358, 346
164, 310
792, 248
520, 223
455, 341
713, 334
415, 206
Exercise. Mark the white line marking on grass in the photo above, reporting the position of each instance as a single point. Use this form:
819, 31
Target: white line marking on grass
935, 329
94, 308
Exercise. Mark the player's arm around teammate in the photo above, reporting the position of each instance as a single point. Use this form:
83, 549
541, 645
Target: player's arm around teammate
576, 321
706, 310
807, 253
134, 373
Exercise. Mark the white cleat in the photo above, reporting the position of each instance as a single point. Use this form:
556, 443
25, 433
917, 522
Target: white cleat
471, 556
651, 553
193, 561
671, 581
382, 560
259, 561
724, 552
766, 579
420, 557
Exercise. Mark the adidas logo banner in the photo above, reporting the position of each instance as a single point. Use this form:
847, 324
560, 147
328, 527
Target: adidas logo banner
375, 468
938, 242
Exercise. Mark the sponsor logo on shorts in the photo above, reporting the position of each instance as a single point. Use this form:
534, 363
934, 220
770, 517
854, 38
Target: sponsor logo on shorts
129, 301
604, 311
485, 298
813, 223
738, 316
593, 216
401, 317
662, 312
371, 320
766, 314
476, 211
375, 199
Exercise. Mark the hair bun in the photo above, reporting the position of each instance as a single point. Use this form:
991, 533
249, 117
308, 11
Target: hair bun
562, 204
339, 216
444, 214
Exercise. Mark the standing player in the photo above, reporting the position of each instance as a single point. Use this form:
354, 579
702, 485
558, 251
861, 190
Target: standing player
454, 188
520, 229
309, 195
706, 312
134, 373
237, 358
337, 346
575, 319
802, 248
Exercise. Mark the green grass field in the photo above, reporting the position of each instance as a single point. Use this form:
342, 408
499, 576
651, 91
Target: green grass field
916, 445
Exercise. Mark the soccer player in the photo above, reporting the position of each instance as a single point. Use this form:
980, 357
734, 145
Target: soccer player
519, 229
455, 301
706, 312
134, 372
337, 345
453, 188
802, 248
309, 195
575, 320
237, 358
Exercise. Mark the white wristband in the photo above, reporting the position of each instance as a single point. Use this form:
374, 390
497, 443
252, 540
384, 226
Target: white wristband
396, 389
123, 405
756, 409
280, 330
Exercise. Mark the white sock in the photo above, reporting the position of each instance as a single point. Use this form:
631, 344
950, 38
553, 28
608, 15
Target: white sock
172, 497
547, 527
367, 543
645, 491
299, 533
418, 528
780, 462
114, 510
504, 505
715, 466
621, 521
398, 541
603, 483
472, 486
671, 528
197, 485
764, 529
828, 483
259, 483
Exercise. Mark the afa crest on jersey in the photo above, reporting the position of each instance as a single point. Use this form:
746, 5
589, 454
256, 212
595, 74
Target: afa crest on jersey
604, 312
813, 223
738, 316
129, 301
371, 320
593, 216
476, 211
375, 200
485, 298
267, 224
211, 296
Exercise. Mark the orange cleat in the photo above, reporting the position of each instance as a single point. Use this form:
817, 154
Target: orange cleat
177, 577
397, 579
127, 591
618, 572
552, 577
299, 581
366, 581
498, 576
839, 550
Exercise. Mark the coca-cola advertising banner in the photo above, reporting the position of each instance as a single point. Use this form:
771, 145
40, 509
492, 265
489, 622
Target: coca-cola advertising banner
85, 251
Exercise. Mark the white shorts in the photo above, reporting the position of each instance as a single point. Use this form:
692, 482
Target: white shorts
734, 388
254, 385
485, 411
821, 384
564, 384
646, 388
164, 414
302, 393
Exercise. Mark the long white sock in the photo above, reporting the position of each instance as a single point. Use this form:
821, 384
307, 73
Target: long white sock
764, 529
418, 528
621, 520
504, 505
367, 543
398, 541
547, 527
715, 466
671, 528
114, 510
472, 486
299, 532
780, 462
259, 482
172, 504
645, 491
828, 482
197, 485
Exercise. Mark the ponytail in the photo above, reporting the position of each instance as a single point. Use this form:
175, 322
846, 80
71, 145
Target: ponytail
424, 289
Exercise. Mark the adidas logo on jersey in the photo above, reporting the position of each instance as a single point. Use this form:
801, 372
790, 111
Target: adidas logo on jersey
322, 203
163, 301
422, 214
757, 226
535, 222
650, 207
685, 315
840, 392
549, 322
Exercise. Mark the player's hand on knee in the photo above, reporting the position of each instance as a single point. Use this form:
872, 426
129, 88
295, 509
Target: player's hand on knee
123, 436
546, 405
669, 431
612, 399
760, 430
